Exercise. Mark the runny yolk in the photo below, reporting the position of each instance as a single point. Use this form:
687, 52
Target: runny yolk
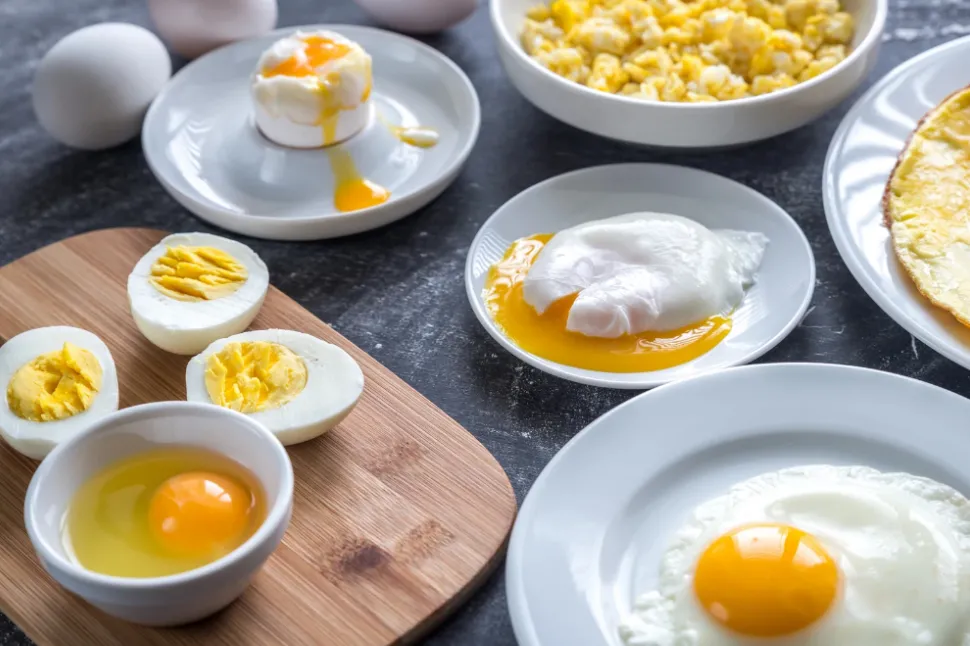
318, 51
352, 191
200, 514
766, 580
546, 335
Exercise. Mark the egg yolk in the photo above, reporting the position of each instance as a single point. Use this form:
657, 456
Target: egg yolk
55, 385
318, 52
253, 376
546, 335
197, 273
353, 192
766, 580
200, 513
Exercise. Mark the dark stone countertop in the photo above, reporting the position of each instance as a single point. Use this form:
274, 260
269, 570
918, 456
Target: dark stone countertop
398, 292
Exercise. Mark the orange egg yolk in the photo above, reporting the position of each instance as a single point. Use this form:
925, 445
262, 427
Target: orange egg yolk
353, 192
546, 335
319, 51
766, 580
200, 513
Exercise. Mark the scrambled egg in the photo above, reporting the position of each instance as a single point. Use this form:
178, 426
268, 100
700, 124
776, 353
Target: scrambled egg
927, 206
688, 50
197, 273
253, 376
55, 385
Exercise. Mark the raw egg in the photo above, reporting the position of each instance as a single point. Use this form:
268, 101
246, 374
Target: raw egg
162, 512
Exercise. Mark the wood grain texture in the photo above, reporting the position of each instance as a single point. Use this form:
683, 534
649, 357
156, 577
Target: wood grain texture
398, 512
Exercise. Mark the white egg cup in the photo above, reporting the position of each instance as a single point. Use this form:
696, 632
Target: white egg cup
284, 132
179, 598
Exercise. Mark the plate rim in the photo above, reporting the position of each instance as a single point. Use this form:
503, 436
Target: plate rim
848, 252
606, 379
516, 598
248, 221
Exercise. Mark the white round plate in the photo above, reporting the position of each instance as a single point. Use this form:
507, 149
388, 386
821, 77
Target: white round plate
201, 143
860, 158
770, 310
592, 529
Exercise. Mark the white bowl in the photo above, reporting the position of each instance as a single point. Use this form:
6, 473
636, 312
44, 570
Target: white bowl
686, 125
180, 598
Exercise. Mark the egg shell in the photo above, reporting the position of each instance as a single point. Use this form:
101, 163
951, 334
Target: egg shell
92, 89
334, 385
37, 439
194, 27
187, 327
419, 16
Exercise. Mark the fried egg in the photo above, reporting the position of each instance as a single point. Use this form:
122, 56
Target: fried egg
194, 288
927, 206
636, 292
815, 556
295, 384
56, 381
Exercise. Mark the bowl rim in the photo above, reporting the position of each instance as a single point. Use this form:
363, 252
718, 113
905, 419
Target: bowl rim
872, 39
277, 513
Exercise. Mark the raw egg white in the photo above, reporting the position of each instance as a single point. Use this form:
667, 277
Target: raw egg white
193, 288
815, 556
631, 293
296, 385
193, 28
93, 87
56, 382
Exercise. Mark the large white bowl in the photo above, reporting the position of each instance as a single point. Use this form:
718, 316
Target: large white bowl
180, 598
686, 125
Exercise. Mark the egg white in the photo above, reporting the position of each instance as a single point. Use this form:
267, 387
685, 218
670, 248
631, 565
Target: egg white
37, 439
901, 542
334, 384
187, 327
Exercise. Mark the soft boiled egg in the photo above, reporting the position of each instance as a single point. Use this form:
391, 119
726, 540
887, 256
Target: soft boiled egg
815, 556
631, 293
926, 206
296, 385
57, 381
193, 288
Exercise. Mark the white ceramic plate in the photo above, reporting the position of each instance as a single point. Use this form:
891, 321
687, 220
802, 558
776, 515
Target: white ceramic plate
591, 531
201, 143
771, 309
860, 158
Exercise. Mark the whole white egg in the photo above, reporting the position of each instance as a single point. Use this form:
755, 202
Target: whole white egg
419, 16
194, 27
93, 87
815, 556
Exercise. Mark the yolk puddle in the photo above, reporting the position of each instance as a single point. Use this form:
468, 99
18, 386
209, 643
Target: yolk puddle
546, 335
318, 51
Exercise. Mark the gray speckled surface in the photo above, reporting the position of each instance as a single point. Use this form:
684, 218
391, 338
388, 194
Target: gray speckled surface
398, 293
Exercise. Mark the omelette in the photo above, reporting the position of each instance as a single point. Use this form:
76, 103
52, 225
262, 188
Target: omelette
927, 205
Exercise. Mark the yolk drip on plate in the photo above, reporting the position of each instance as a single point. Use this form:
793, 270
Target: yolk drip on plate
353, 192
546, 335
766, 580
162, 512
55, 385
253, 376
197, 273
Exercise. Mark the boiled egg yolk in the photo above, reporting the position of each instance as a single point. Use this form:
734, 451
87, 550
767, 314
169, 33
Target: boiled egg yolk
545, 334
318, 52
766, 580
199, 513
253, 376
197, 273
55, 385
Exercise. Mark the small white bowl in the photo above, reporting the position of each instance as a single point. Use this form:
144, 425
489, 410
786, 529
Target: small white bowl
180, 598
686, 125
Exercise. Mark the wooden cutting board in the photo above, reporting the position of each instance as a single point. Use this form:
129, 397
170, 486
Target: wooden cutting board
399, 513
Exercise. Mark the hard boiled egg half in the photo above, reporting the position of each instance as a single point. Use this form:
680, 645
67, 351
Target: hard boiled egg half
194, 288
57, 381
296, 385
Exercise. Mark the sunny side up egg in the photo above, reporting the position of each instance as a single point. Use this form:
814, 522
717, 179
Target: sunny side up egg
295, 384
162, 512
631, 293
194, 288
815, 556
57, 381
